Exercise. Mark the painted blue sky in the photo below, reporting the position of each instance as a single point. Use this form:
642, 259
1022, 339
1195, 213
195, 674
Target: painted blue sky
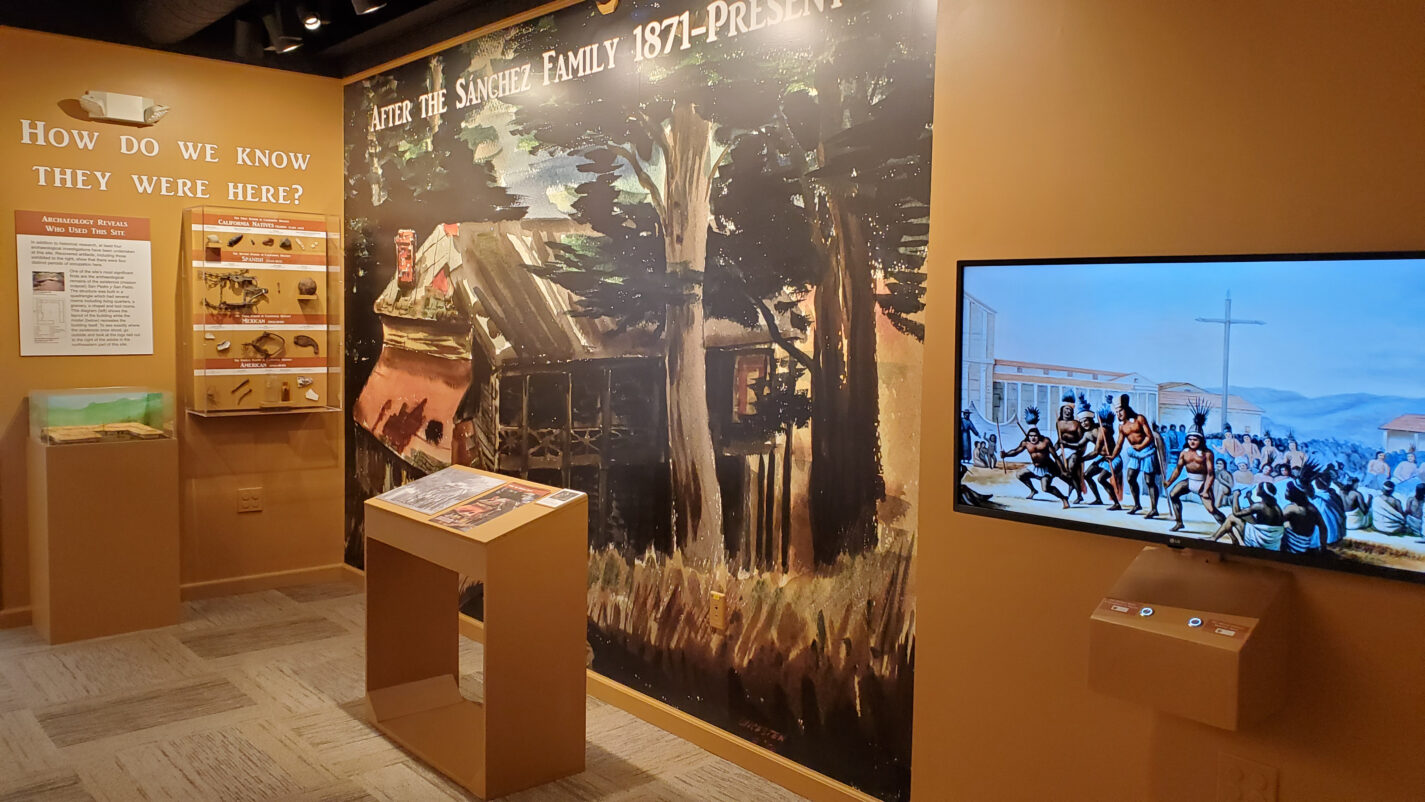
1332, 326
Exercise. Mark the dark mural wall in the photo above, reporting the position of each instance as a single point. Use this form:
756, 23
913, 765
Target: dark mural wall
672, 256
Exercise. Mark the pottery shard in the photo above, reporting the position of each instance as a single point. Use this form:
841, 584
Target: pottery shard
285, 244
307, 286
312, 395
213, 238
304, 381
268, 241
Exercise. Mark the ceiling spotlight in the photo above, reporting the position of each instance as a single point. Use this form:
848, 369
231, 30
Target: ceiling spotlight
311, 20
367, 6
278, 40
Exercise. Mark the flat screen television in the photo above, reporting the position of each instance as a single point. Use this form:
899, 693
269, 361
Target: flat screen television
1266, 405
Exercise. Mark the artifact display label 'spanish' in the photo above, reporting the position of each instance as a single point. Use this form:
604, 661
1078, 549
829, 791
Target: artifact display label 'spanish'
1272, 405
260, 288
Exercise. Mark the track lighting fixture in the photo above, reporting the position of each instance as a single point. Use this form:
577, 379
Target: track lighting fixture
278, 39
367, 6
247, 40
310, 18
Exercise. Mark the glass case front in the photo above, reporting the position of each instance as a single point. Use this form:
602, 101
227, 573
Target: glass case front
100, 414
263, 289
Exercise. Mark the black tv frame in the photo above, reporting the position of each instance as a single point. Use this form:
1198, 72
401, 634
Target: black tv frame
1324, 560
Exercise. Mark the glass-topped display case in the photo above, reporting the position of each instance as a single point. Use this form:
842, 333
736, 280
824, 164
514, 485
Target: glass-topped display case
263, 289
100, 414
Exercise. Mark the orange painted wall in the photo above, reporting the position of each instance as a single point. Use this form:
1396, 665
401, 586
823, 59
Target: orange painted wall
1097, 128
296, 458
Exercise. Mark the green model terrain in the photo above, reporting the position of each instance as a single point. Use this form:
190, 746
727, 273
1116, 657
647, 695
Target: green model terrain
146, 409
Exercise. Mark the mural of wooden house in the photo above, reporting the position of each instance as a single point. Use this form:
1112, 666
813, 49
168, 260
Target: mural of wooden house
483, 365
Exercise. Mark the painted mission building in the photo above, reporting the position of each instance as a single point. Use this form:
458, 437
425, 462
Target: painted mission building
999, 389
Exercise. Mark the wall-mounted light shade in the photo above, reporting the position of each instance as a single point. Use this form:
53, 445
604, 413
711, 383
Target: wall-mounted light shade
367, 6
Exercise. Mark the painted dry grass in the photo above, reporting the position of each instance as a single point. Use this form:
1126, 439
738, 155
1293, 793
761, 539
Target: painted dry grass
801, 655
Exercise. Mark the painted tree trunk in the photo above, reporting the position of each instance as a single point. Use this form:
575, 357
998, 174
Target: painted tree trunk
846, 480
697, 500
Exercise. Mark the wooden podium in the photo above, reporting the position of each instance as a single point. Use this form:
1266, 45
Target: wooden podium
103, 537
533, 559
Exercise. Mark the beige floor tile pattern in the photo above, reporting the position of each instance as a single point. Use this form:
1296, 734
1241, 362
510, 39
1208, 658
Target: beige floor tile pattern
258, 697
261, 636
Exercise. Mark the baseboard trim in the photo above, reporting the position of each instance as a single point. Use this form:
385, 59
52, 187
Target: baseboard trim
761, 761
353, 576
472, 629
15, 617
336, 572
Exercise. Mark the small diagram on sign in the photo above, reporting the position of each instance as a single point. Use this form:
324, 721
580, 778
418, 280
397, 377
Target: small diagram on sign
47, 280
559, 499
49, 319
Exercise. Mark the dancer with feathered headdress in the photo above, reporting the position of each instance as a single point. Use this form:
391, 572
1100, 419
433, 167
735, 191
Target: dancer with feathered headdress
1044, 463
1073, 439
1196, 463
1140, 455
1101, 467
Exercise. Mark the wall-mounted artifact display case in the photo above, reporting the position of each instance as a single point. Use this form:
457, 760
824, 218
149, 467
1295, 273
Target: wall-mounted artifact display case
100, 414
263, 289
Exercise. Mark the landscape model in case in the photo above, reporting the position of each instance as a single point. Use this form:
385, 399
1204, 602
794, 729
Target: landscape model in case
1268, 405
101, 414
262, 289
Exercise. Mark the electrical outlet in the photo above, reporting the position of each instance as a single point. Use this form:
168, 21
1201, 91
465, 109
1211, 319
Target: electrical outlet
1243, 780
717, 611
249, 499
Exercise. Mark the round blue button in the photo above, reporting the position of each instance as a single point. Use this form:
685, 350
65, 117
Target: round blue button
1146, 611
1194, 622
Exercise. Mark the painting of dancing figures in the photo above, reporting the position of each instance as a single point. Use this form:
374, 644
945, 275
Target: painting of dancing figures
1273, 406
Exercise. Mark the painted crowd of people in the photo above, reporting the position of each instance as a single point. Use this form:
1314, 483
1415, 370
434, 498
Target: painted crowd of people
1261, 491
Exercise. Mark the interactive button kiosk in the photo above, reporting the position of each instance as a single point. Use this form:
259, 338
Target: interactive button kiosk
529, 544
1189, 634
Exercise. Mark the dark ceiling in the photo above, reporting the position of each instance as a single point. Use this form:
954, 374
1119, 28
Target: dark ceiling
346, 43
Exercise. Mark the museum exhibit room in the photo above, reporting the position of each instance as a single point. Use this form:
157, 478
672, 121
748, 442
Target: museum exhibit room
727, 400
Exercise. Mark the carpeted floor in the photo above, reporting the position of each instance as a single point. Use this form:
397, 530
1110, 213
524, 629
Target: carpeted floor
258, 697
